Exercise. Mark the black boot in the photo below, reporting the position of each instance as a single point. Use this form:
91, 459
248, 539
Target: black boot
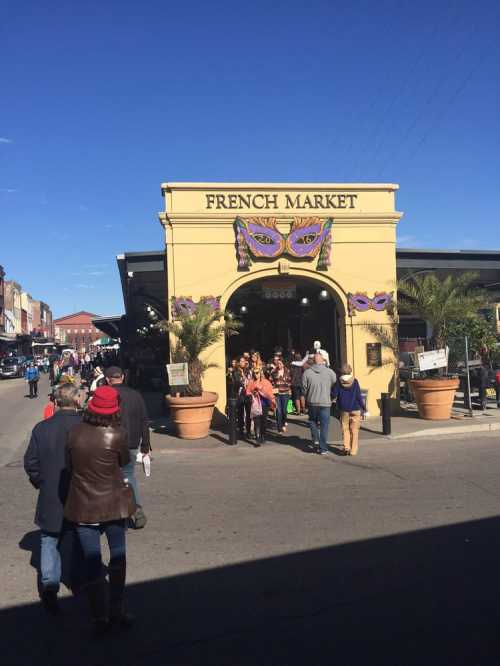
97, 594
49, 601
117, 614
140, 519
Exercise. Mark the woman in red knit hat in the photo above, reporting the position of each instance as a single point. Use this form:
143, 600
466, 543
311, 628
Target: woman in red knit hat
100, 501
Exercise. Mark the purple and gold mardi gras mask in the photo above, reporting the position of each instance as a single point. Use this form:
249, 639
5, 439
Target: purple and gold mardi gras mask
383, 300
186, 306
259, 237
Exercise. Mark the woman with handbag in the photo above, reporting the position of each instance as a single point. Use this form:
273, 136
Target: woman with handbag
261, 392
100, 501
240, 378
281, 381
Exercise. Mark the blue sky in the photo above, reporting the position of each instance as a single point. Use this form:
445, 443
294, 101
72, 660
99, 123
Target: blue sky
102, 101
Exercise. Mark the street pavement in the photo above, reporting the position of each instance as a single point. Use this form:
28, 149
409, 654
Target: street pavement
280, 556
18, 414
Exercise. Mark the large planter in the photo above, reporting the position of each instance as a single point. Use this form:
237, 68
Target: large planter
435, 397
192, 416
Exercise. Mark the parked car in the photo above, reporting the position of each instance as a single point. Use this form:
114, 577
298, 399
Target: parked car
11, 367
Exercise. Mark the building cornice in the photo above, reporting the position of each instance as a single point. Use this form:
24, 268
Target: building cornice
303, 187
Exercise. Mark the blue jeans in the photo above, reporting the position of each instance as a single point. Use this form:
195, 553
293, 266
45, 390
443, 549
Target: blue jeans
50, 561
281, 405
319, 415
128, 472
90, 539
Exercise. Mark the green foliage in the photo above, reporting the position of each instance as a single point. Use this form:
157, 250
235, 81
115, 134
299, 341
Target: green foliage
194, 334
480, 333
441, 302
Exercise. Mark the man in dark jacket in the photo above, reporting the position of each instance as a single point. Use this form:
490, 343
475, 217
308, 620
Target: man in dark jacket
44, 462
135, 421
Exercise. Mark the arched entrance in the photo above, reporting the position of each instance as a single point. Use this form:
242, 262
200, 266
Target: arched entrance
286, 311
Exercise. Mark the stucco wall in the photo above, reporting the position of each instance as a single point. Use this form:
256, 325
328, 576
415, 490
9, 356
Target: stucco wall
202, 261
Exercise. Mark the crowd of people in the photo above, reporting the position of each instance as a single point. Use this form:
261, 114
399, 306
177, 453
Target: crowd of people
82, 458
299, 385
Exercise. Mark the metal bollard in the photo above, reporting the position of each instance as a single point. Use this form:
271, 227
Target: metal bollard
386, 413
232, 411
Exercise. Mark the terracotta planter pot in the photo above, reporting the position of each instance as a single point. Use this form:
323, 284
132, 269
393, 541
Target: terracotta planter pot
192, 416
435, 397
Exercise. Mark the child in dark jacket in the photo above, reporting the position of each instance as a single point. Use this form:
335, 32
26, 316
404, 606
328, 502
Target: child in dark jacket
350, 402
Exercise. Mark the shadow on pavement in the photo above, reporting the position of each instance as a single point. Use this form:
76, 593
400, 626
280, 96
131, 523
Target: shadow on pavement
425, 597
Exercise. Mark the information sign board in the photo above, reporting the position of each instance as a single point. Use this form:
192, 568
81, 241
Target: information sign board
430, 360
178, 374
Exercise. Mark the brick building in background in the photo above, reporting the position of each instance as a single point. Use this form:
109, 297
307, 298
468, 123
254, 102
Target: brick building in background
12, 311
76, 330
42, 320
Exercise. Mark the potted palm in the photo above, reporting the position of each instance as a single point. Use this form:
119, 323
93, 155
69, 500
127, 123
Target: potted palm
194, 332
441, 303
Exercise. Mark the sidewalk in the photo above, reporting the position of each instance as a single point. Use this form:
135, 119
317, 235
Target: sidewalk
406, 425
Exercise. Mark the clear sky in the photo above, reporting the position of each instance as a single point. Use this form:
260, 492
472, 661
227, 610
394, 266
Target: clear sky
103, 100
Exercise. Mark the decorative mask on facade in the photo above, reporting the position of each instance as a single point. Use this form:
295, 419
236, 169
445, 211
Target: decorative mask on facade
360, 301
259, 237
186, 306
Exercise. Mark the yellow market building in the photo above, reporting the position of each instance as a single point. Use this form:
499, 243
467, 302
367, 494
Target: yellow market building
296, 263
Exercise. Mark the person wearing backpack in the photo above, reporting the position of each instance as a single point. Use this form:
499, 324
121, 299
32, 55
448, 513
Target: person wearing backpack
260, 390
351, 405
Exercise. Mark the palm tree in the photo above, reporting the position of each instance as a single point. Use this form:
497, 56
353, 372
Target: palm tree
440, 302
195, 333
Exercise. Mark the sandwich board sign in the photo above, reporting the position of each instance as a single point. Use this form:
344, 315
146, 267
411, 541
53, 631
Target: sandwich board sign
430, 360
178, 374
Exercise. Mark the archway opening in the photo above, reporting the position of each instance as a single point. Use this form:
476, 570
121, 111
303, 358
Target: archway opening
290, 312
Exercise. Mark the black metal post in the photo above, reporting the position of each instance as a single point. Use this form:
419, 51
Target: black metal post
467, 399
386, 413
232, 412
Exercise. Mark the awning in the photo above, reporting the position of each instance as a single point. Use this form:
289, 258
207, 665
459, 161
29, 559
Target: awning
102, 342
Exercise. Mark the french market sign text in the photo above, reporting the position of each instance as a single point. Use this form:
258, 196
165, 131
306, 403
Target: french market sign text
280, 200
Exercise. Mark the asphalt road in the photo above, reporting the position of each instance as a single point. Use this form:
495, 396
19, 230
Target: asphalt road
18, 414
276, 556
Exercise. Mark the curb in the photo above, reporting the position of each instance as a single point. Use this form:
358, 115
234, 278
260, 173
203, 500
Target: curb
452, 430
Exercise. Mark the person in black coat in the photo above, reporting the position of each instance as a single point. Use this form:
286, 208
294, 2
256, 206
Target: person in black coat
45, 464
134, 419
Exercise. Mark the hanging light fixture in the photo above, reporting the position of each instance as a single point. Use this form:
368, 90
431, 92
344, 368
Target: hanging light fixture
323, 295
243, 309
304, 301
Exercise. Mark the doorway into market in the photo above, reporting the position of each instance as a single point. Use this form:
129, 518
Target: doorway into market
287, 312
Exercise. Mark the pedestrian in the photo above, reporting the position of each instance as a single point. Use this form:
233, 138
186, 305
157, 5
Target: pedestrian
497, 385
351, 406
318, 382
99, 502
32, 375
50, 408
296, 372
260, 390
323, 352
134, 420
256, 361
99, 380
240, 378
44, 463
281, 381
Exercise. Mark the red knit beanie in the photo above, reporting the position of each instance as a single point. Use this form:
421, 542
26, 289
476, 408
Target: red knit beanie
104, 401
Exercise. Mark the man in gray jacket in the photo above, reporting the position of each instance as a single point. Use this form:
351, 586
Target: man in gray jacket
318, 382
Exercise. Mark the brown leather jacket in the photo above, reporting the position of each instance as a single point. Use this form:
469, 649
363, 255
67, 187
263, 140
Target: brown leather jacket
97, 491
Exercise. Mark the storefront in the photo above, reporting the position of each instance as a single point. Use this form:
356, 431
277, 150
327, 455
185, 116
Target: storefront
296, 263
